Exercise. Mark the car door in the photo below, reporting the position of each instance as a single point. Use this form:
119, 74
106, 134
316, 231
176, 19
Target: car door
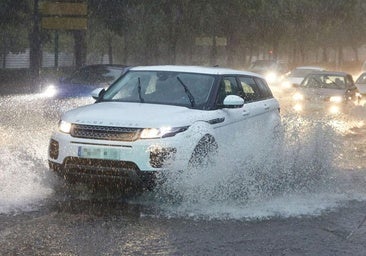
271, 108
259, 101
233, 118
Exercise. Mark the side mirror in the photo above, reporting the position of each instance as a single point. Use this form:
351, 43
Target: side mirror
233, 101
97, 93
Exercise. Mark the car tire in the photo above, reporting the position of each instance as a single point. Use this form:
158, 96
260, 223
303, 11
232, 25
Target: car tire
204, 153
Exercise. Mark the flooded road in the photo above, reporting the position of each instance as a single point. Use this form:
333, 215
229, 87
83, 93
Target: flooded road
305, 197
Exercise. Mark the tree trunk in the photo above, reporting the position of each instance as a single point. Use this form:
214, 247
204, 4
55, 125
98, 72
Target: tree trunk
79, 48
355, 50
110, 50
35, 53
213, 52
325, 55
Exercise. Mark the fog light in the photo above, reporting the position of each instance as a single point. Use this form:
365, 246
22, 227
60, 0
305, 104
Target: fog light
159, 156
298, 107
53, 149
334, 110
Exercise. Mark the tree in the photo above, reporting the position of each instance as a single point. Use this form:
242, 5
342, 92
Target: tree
13, 27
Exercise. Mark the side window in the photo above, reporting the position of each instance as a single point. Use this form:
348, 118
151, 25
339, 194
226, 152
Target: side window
264, 89
250, 88
228, 86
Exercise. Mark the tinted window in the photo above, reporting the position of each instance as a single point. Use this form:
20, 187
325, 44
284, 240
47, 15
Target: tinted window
228, 86
362, 79
250, 88
264, 89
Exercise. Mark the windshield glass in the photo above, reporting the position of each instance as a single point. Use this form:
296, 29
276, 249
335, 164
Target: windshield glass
301, 72
94, 75
325, 81
162, 87
362, 79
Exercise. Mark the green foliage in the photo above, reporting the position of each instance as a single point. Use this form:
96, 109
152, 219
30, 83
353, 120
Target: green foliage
13, 25
165, 31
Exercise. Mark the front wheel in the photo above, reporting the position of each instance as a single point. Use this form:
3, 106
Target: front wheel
204, 153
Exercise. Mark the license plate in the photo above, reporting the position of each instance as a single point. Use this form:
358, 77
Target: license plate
99, 153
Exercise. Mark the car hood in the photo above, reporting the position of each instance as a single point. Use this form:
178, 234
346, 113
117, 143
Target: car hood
128, 114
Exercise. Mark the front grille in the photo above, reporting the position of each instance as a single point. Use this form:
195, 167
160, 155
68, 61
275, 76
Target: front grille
105, 132
99, 167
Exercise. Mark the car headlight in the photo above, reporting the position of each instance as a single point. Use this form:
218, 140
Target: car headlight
334, 110
336, 99
50, 91
163, 132
286, 84
271, 77
298, 97
64, 126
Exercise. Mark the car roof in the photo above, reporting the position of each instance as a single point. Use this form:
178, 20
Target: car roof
310, 67
195, 69
104, 65
334, 73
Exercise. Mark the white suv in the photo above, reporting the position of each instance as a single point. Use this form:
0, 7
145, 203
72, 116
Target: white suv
154, 116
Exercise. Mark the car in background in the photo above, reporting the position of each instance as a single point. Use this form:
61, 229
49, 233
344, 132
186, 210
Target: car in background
361, 84
325, 91
297, 75
84, 80
272, 70
155, 116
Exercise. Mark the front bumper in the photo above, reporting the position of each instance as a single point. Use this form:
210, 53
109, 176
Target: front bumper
102, 159
102, 171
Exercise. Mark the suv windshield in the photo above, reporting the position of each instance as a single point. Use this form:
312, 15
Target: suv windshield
162, 87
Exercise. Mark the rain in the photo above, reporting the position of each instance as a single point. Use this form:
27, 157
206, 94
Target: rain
301, 193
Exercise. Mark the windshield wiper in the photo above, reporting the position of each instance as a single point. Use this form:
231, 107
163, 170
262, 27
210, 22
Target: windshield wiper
139, 90
189, 94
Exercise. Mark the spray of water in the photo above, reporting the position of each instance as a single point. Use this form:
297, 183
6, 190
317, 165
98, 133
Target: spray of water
312, 169
261, 177
26, 123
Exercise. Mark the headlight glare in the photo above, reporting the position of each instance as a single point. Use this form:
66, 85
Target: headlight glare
271, 77
163, 132
64, 126
336, 99
150, 133
50, 91
298, 97
286, 84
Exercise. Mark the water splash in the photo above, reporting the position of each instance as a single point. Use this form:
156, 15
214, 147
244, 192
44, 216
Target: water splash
313, 170
22, 181
301, 177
